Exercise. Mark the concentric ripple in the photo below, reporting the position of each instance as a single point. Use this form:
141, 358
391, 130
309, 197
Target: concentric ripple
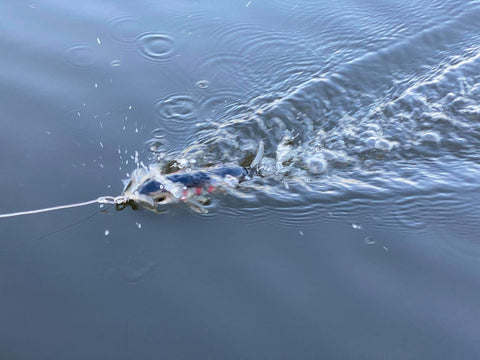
156, 47
177, 108
226, 68
221, 103
125, 29
80, 55
178, 116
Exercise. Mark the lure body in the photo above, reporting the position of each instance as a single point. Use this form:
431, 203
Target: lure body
152, 189
198, 180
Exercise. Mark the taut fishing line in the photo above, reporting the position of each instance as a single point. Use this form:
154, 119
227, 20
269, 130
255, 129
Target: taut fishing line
114, 200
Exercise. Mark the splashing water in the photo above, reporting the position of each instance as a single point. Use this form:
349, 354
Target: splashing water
394, 123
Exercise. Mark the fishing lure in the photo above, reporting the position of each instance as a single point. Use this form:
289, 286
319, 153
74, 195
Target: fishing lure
149, 188
153, 190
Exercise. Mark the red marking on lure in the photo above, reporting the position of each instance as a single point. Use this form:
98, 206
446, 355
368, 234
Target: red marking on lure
210, 189
198, 190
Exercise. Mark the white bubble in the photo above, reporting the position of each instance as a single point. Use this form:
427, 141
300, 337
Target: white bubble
317, 165
379, 143
107, 232
430, 137
384, 145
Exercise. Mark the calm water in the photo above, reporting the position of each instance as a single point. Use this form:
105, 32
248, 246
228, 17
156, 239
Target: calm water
358, 239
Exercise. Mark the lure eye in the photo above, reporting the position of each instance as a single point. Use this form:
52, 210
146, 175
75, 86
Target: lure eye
160, 199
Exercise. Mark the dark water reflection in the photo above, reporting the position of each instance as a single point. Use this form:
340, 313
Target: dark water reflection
358, 241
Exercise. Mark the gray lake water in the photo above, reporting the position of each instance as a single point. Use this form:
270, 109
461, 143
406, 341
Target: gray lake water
356, 240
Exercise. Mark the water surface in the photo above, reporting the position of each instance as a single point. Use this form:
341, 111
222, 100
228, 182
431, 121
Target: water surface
358, 237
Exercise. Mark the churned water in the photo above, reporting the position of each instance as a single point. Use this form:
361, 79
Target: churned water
358, 237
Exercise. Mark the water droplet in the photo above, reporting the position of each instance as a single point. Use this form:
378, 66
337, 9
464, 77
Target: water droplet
115, 63
107, 232
156, 47
368, 241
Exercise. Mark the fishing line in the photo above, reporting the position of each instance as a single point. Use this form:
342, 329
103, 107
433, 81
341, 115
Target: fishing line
114, 200
57, 231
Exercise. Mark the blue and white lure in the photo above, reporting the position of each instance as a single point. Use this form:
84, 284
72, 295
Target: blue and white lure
151, 189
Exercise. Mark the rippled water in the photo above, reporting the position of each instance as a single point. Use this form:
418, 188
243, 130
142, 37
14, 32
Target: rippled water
357, 238
394, 119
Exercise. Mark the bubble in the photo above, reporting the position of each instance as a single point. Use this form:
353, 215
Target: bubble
202, 84
317, 165
156, 47
384, 145
80, 55
374, 142
430, 137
